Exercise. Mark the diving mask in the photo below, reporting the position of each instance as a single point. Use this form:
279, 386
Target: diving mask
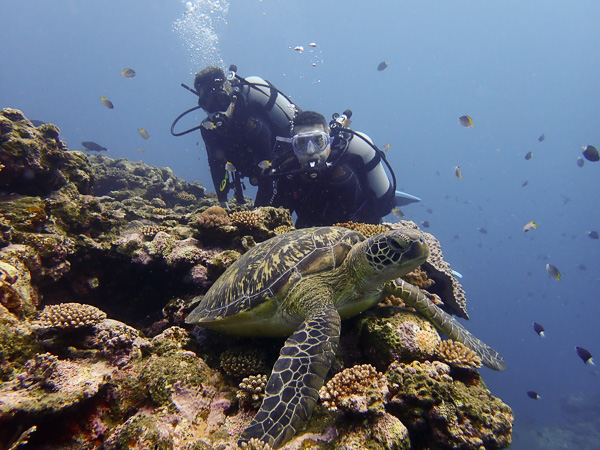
215, 101
310, 143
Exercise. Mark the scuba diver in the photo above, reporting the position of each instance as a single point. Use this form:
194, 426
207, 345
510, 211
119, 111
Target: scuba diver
244, 117
332, 174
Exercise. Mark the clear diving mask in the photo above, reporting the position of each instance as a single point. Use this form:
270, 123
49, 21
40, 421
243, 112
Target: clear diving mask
310, 143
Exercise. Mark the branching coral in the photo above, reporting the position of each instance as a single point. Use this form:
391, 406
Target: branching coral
255, 444
151, 230
365, 228
247, 219
282, 229
358, 389
457, 354
70, 315
242, 361
252, 390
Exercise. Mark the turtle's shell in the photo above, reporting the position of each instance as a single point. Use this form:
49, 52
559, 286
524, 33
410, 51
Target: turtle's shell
269, 270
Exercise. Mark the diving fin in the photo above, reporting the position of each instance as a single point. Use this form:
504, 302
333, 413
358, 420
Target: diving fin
402, 198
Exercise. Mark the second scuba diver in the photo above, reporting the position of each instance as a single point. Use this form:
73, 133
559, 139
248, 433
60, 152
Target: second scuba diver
244, 117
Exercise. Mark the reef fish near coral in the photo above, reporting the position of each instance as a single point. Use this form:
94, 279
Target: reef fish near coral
585, 355
92, 146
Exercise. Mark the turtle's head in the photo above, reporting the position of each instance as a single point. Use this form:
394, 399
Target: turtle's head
395, 253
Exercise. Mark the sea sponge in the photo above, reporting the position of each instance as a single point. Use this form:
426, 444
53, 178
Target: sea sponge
247, 219
365, 228
241, 361
457, 354
358, 389
70, 315
252, 390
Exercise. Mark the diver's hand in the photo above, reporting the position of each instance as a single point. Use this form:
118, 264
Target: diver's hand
224, 205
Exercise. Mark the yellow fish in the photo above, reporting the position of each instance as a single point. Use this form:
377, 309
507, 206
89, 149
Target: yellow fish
398, 213
386, 148
144, 133
264, 164
529, 226
106, 102
458, 172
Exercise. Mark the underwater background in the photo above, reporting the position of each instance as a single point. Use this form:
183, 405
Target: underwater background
518, 69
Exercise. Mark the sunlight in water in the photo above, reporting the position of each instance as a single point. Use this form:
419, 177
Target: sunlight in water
198, 28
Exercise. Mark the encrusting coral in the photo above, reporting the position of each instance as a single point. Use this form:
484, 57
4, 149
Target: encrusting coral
242, 361
358, 389
457, 354
70, 315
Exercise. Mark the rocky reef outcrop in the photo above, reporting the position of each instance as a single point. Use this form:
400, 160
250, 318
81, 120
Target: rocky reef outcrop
100, 261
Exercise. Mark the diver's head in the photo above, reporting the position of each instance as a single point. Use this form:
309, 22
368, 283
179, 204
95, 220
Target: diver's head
310, 139
214, 92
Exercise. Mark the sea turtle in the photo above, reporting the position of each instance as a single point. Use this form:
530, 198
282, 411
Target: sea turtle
302, 284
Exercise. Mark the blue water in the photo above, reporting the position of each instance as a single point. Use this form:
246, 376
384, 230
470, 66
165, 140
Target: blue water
519, 69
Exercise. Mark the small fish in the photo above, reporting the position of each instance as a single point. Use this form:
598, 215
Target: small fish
592, 234
429, 210
92, 146
528, 156
538, 329
425, 224
585, 356
458, 172
580, 161
465, 121
532, 394
128, 73
312, 44
591, 153
386, 147
398, 213
106, 102
482, 230
531, 225
553, 271
456, 274
581, 267
37, 123
207, 125
542, 137
144, 133
264, 164
525, 183
141, 150
2, 166
229, 167
299, 48
383, 65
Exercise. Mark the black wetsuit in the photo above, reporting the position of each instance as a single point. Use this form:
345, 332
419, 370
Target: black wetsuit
338, 193
246, 141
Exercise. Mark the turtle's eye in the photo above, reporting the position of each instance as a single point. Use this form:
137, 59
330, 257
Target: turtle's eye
398, 245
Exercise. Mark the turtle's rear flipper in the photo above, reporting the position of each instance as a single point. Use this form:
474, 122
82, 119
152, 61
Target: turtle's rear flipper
413, 296
298, 374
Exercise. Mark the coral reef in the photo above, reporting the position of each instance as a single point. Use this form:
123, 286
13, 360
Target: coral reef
100, 261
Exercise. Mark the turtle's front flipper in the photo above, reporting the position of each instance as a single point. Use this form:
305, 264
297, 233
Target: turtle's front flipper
298, 374
413, 296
